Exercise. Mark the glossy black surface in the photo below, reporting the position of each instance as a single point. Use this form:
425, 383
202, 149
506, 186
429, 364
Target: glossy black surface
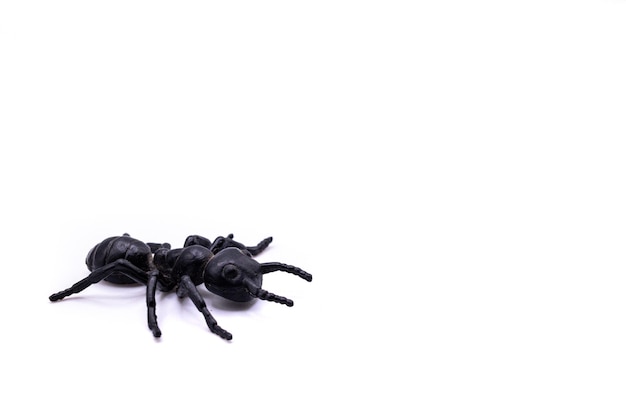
226, 267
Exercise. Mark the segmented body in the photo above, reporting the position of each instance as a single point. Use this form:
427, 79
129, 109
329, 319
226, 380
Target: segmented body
119, 247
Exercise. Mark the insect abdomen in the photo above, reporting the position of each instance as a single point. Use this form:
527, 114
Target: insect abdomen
119, 247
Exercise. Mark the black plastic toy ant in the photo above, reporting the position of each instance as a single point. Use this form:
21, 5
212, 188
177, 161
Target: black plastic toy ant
226, 268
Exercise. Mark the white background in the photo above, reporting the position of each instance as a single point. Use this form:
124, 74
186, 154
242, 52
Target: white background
451, 173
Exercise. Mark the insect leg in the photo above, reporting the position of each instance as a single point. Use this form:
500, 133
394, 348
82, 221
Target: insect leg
260, 247
151, 302
186, 287
228, 242
121, 266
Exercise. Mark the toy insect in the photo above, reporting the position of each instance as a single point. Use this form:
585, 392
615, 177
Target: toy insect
225, 266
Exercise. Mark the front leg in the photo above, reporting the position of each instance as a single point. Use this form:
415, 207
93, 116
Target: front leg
187, 288
260, 247
222, 242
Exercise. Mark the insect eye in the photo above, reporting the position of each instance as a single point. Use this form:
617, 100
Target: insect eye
230, 272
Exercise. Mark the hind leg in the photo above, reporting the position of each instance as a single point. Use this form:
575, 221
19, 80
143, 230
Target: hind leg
121, 266
128, 270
